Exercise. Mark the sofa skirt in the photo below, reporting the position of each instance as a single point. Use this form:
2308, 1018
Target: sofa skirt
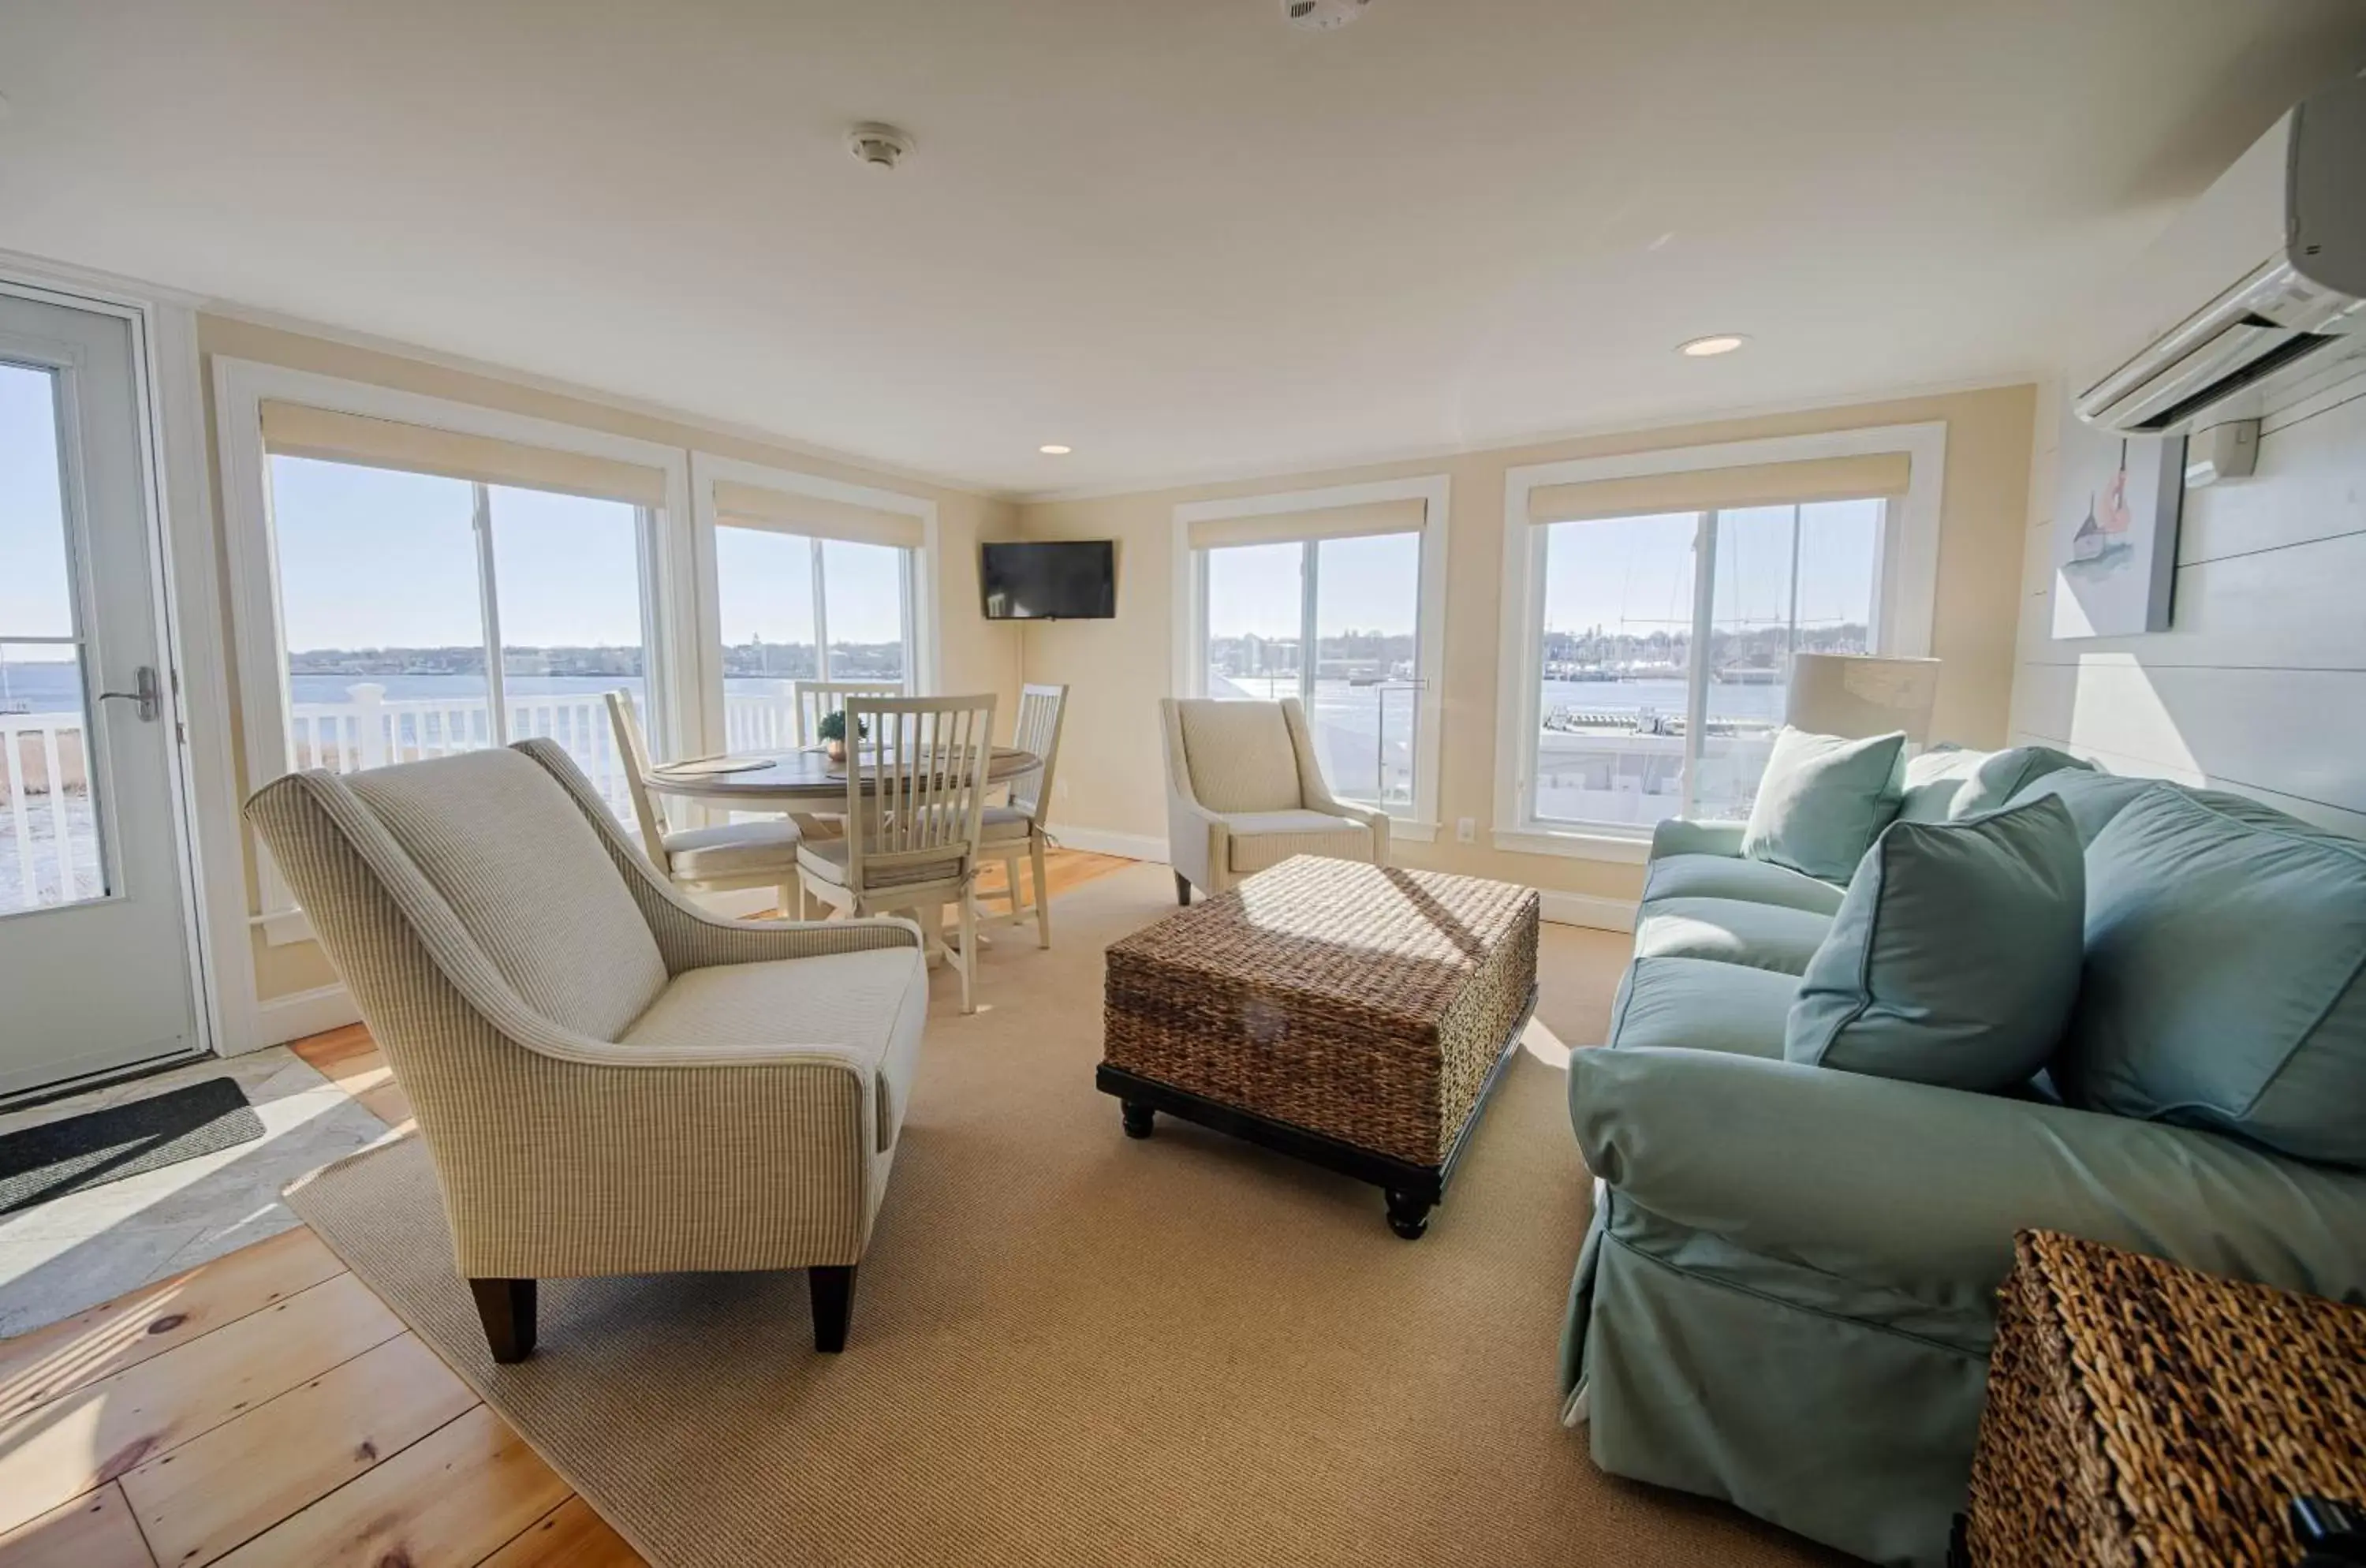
1842, 1412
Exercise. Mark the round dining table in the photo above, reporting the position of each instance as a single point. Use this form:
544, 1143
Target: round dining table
802, 780
806, 780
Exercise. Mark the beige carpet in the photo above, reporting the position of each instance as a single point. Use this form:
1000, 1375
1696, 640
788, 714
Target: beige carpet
1071, 1348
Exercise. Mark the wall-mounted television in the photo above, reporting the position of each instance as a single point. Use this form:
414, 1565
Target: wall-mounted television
1068, 580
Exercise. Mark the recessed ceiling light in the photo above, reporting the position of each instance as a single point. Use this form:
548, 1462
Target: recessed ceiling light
1053, 449
1721, 343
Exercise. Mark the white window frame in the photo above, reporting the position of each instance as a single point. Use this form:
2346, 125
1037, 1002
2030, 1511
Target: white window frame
240, 388
921, 671
1906, 569
1418, 820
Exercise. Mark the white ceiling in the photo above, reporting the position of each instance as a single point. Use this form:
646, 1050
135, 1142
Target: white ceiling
1180, 237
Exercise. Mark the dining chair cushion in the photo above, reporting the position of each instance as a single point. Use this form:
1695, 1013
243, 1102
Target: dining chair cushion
508, 850
871, 1003
1002, 822
1240, 756
827, 859
735, 849
1262, 839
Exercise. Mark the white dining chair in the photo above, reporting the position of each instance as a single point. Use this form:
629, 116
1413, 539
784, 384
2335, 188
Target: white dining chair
815, 700
915, 794
704, 859
1006, 832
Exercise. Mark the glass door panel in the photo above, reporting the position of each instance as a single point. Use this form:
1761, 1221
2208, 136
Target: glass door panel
51, 849
1255, 608
1789, 579
764, 583
382, 610
1617, 667
568, 571
1366, 608
863, 596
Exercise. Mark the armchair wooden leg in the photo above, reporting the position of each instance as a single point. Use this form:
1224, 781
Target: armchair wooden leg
1182, 889
506, 1307
833, 1304
1043, 892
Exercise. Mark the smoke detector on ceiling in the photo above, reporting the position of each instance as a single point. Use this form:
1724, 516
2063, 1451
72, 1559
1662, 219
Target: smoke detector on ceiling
877, 146
1322, 15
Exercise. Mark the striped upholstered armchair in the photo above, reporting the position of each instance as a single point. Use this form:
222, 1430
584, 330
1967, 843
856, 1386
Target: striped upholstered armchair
1245, 791
609, 1080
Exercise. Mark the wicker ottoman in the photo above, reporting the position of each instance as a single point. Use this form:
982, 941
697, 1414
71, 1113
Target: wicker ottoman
1355, 1016
2140, 1413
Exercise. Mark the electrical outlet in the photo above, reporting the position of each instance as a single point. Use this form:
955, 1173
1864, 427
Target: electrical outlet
1466, 831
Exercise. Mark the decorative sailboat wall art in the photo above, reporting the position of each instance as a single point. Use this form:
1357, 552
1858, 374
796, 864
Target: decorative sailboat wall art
2115, 531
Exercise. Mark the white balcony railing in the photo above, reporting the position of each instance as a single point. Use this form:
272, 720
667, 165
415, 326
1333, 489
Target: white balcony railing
49, 841
48, 836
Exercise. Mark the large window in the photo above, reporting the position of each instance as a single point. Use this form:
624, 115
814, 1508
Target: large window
1652, 605
396, 588
792, 607
815, 580
1327, 603
1643, 711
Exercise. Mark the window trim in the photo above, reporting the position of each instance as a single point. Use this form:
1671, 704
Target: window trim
1187, 673
241, 387
1907, 573
921, 642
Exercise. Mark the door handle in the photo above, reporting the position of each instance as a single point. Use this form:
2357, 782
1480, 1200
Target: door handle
144, 691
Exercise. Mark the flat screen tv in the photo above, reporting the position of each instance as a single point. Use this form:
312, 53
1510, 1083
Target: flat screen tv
1070, 580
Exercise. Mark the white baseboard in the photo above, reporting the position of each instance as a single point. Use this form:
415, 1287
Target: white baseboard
1102, 841
1589, 910
279, 1020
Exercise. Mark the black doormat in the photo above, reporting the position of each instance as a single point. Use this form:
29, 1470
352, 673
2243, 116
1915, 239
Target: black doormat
99, 1146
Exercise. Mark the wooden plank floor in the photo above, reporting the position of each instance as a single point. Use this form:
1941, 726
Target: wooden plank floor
267, 1409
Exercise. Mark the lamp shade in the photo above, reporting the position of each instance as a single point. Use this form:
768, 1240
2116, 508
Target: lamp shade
1855, 695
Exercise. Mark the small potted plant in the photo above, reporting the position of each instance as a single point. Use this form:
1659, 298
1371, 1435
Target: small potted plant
832, 730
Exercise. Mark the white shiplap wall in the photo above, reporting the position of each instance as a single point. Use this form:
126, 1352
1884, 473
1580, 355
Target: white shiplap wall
2259, 684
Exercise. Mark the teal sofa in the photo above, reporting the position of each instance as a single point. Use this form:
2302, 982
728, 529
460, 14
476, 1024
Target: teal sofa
1786, 1296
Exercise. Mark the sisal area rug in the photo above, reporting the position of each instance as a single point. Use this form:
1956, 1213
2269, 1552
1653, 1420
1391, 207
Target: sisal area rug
1070, 1348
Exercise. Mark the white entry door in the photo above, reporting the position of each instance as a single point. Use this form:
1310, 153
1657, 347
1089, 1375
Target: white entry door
98, 972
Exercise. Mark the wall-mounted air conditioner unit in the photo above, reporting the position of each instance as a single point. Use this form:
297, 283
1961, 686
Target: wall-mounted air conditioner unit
2290, 217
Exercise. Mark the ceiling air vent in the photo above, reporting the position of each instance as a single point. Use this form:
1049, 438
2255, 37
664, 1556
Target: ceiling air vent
1322, 15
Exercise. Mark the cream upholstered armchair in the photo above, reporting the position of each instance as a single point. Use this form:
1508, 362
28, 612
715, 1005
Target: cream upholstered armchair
1245, 791
608, 1079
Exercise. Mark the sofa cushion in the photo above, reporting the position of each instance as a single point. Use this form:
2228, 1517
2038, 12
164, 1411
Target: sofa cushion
1822, 801
508, 850
1700, 1005
2223, 985
1949, 782
1240, 756
1731, 930
1724, 876
1954, 959
2094, 798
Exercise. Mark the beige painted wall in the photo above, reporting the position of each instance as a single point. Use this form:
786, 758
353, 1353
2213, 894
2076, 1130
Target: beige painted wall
976, 654
1109, 775
2260, 684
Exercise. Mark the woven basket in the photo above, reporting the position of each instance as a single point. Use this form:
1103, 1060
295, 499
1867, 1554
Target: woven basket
2140, 1413
1365, 1003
